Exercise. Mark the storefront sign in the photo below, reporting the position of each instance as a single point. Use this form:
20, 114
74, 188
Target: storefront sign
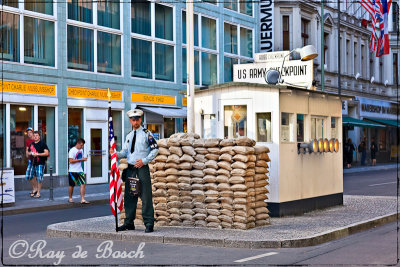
377, 109
271, 56
29, 88
293, 72
94, 93
184, 101
153, 99
266, 25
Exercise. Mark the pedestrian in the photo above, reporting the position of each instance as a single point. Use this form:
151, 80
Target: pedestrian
362, 148
349, 148
28, 142
39, 152
374, 149
140, 148
76, 176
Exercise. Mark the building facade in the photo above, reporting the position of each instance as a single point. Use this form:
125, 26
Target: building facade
59, 59
372, 80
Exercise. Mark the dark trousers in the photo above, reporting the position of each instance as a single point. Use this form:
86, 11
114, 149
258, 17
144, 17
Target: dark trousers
363, 157
130, 202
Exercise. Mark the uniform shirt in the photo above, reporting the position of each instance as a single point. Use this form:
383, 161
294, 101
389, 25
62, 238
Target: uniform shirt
142, 151
75, 153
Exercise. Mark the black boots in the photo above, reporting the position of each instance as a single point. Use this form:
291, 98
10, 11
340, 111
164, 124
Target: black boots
126, 227
149, 229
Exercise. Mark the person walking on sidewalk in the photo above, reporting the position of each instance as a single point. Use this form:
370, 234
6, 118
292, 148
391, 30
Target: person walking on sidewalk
362, 148
76, 176
39, 152
140, 148
348, 151
374, 149
28, 142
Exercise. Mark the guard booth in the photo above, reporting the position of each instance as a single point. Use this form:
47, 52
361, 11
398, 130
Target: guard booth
304, 176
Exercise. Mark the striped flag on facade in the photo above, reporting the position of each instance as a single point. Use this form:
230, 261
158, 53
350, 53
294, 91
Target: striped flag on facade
115, 181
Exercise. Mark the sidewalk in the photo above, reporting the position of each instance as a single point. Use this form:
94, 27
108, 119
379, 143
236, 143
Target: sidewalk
368, 168
95, 194
357, 214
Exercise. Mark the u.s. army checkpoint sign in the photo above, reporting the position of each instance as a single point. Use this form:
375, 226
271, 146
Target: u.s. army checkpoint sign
294, 72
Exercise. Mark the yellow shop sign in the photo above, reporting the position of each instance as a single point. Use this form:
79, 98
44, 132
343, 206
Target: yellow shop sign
184, 101
94, 93
29, 88
154, 99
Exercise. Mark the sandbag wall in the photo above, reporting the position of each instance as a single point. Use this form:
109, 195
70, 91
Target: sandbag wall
209, 183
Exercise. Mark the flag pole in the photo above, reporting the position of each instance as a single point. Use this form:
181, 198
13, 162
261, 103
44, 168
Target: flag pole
114, 184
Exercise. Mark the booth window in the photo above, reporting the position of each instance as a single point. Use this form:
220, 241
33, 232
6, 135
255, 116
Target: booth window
300, 127
235, 121
169, 127
317, 127
75, 126
209, 124
334, 127
287, 127
264, 127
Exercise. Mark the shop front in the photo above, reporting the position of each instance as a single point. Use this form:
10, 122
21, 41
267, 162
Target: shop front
161, 115
27, 105
88, 119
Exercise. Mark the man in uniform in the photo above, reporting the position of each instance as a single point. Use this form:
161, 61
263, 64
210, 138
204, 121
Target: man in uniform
140, 148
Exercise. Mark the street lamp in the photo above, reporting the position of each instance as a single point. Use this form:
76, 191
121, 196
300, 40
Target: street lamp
307, 52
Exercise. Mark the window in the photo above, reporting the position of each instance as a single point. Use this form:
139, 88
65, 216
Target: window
209, 33
245, 7
169, 127
305, 31
12, 3
108, 13
80, 10
264, 127
317, 127
228, 68
348, 57
164, 57
209, 124
80, 48
164, 22
196, 67
208, 69
9, 39
141, 17
47, 130
41, 6
231, 4
356, 64
75, 126
287, 127
21, 117
371, 67
363, 67
235, 121
326, 45
141, 58
395, 69
195, 26
230, 38
246, 42
108, 53
334, 127
285, 33
300, 127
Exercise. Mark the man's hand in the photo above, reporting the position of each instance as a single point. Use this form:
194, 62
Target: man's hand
84, 159
139, 164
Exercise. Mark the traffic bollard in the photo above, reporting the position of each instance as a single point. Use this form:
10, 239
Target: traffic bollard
51, 184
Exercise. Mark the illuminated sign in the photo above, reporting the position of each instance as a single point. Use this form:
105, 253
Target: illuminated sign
29, 88
153, 99
94, 93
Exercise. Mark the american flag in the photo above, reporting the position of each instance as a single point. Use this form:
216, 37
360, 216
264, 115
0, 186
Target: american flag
115, 181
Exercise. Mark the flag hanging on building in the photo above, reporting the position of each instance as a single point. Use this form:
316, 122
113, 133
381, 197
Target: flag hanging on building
115, 181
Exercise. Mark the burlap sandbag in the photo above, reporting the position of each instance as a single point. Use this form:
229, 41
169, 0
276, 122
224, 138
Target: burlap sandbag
161, 158
184, 179
199, 205
173, 158
197, 173
173, 142
199, 165
159, 166
186, 217
238, 165
160, 185
262, 216
228, 150
160, 193
244, 150
227, 193
161, 213
240, 226
161, 206
224, 172
174, 223
261, 170
195, 193
186, 142
178, 135
187, 158
236, 180
250, 172
226, 200
200, 158
199, 216
185, 166
172, 179
240, 200
262, 210
227, 206
174, 216
210, 171
263, 156
173, 211
252, 158
224, 165
211, 186
159, 199
174, 204
223, 186
200, 223
171, 165
163, 151
259, 177
213, 212
227, 212
173, 198
198, 143
197, 180
211, 164
261, 149
261, 197
251, 192
225, 157
210, 179
249, 184
214, 150
262, 163
212, 142
261, 222
162, 143
224, 218
210, 199
251, 164
244, 141
242, 158
184, 186
211, 192
212, 218
201, 150
214, 225
212, 157
241, 213
261, 183
192, 135
187, 211
216, 206
189, 150
260, 204
185, 193
222, 179
172, 191
227, 142
186, 173
240, 193
238, 172
197, 187
200, 211
186, 198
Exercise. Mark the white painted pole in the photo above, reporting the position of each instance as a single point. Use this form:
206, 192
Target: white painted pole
190, 65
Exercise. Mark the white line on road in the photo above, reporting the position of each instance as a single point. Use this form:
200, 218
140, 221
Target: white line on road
257, 257
382, 184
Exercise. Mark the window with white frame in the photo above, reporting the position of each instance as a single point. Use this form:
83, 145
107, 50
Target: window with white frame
285, 33
87, 29
238, 48
153, 48
36, 20
244, 7
317, 127
305, 31
287, 126
205, 50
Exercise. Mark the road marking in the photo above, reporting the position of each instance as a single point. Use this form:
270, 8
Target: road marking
382, 184
257, 257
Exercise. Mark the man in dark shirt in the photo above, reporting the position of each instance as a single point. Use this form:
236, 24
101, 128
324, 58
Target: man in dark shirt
39, 152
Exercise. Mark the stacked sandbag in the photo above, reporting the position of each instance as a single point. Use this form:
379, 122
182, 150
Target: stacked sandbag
198, 189
260, 183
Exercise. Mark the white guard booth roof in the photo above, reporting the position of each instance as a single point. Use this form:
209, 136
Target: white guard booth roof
167, 112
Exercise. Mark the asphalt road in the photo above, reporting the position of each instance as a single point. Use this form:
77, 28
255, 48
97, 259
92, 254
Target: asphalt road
23, 232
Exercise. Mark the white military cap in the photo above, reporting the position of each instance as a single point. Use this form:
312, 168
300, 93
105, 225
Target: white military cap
135, 113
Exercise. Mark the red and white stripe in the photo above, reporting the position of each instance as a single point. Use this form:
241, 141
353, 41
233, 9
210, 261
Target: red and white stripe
115, 181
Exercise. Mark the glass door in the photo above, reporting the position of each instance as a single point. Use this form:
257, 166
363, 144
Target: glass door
97, 147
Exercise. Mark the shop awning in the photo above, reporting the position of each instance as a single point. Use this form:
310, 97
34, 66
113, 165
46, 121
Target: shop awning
385, 122
167, 112
349, 121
